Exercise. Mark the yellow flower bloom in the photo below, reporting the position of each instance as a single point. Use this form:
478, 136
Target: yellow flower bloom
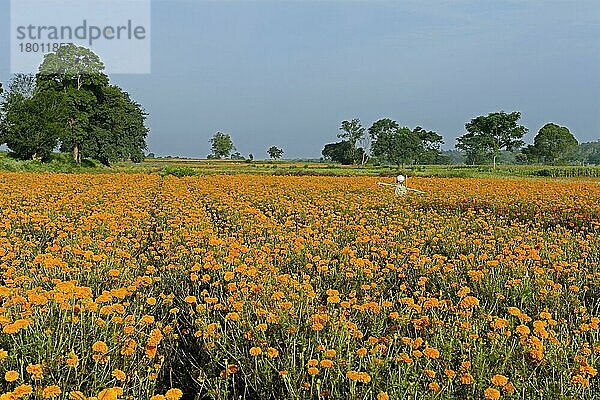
11, 376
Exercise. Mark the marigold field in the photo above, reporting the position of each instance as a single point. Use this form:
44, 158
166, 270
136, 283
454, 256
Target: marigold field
137, 286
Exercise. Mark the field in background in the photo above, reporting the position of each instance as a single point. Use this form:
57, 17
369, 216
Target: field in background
129, 286
185, 167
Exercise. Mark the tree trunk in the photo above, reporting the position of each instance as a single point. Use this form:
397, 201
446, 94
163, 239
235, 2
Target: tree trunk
76, 155
494, 161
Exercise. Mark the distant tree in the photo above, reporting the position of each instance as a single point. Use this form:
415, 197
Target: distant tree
275, 152
487, 135
402, 145
251, 157
382, 134
429, 150
354, 132
237, 156
151, 155
340, 152
552, 144
221, 145
451, 157
381, 127
590, 152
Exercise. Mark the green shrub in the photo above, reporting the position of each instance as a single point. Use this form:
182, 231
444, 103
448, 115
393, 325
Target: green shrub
179, 172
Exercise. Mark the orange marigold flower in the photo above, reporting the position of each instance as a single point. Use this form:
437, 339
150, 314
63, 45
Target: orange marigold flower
514, 311
154, 338
434, 387
469, 302
326, 363
77, 395
491, 394
232, 316
364, 377
23, 390
361, 352
352, 375
119, 375
100, 347
466, 379
313, 371
72, 360
499, 380
383, 396
449, 373
35, 370
499, 323
330, 353
255, 351
523, 330
509, 388
431, 352
272, 352
110, 393
11, 376
173, 394
51, 391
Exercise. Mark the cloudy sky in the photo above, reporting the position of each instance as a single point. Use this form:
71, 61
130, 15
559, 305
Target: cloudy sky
286, 73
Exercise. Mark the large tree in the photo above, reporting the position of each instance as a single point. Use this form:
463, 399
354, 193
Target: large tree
221, 145
79, 74
552, 144
275, 152
340, 152
118, 129
32, 126
429, 150
353, 132
487, 135
102, 121
401, 145
32, 120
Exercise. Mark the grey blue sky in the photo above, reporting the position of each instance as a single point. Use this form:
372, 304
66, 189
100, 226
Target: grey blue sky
286, 73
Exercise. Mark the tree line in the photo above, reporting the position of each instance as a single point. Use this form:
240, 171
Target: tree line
222, 147
487, 139
71, 105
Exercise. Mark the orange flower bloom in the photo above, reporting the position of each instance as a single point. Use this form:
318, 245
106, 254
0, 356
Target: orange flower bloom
255, 351
491, 394
499, 380
431, 352
11, 376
